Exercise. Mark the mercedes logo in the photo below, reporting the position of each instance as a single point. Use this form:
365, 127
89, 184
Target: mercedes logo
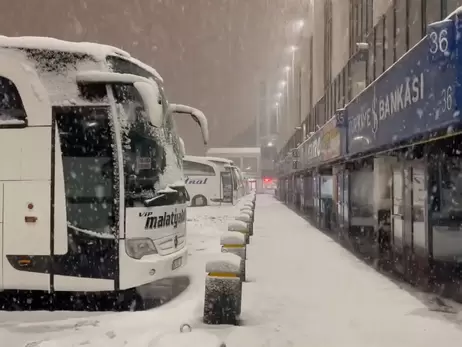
175, 241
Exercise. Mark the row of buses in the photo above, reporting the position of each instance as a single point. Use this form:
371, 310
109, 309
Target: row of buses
213, 181
92, 190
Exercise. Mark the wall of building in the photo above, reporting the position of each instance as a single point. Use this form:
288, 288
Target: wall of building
384, 29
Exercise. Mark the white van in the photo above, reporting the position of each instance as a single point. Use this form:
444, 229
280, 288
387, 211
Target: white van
203, 181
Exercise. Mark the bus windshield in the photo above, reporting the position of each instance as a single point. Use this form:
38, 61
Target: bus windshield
143, 153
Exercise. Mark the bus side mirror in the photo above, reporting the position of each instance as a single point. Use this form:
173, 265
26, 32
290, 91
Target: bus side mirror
197, 115
150, 97
182, 147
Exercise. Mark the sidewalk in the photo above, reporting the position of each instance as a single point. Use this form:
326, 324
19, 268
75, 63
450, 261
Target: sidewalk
306, 290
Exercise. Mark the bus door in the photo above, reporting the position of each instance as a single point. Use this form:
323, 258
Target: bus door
85, 230
1, 236
227, 186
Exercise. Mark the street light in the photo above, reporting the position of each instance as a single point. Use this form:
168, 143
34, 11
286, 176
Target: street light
282, 83
292, 49
287, 68
299, 25
270, 144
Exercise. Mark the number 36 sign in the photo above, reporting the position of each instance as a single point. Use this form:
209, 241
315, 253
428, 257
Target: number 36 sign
440, 37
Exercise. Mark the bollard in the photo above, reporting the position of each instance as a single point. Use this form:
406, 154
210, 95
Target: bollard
241, 227
234, 242
249, 205
247, 210
243, 217
250, 214
223, 289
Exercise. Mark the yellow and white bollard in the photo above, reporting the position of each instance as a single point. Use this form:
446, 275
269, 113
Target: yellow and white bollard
250, 214
234, 242
246, 218
223, 290
240, 226
249, 204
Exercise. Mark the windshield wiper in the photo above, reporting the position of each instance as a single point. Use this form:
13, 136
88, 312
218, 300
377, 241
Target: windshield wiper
162, 198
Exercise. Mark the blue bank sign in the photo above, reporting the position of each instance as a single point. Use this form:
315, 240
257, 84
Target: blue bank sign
415, 97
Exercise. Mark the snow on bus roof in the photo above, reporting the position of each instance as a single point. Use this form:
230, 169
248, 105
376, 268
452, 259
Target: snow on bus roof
109, 77
40, 42
146, 67
220, 160
198, 159
234, 150
97, 50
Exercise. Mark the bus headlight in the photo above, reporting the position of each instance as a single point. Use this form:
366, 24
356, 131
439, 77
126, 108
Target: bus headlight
138, 248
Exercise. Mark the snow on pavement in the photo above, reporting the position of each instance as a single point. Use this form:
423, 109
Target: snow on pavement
306, 290
137, 329
303, 290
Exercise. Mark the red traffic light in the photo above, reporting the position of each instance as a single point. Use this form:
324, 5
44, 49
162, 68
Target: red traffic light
267, 180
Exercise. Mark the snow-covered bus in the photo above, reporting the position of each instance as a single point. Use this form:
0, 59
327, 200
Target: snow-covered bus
203, 181
227, 166
91, 190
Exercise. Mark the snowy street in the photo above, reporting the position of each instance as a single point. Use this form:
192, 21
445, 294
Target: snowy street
303, 290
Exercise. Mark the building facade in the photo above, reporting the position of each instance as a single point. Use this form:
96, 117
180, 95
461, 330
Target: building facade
346, 45
377, 162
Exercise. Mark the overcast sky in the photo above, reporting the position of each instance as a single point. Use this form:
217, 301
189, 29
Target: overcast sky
212, 54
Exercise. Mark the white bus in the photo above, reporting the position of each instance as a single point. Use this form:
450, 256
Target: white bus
203, 181
227, 166
91, 191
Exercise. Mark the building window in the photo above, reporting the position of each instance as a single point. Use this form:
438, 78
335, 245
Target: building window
310, 46
321, 112
370, 15
379, 48
347, 83
451, 5
336, 92
389, 32
433, 10
328, 43
401, 42
316, 117
361, 26
341, 86
352, 25
415, 22
370, 68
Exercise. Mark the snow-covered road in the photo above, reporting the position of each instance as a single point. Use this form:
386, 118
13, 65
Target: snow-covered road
303, 290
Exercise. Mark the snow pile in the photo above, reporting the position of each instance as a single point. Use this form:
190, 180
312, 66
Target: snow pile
243, 217
332, 300
187, 340
224, 263
232, 238
247, 213
237, 225
246, 209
